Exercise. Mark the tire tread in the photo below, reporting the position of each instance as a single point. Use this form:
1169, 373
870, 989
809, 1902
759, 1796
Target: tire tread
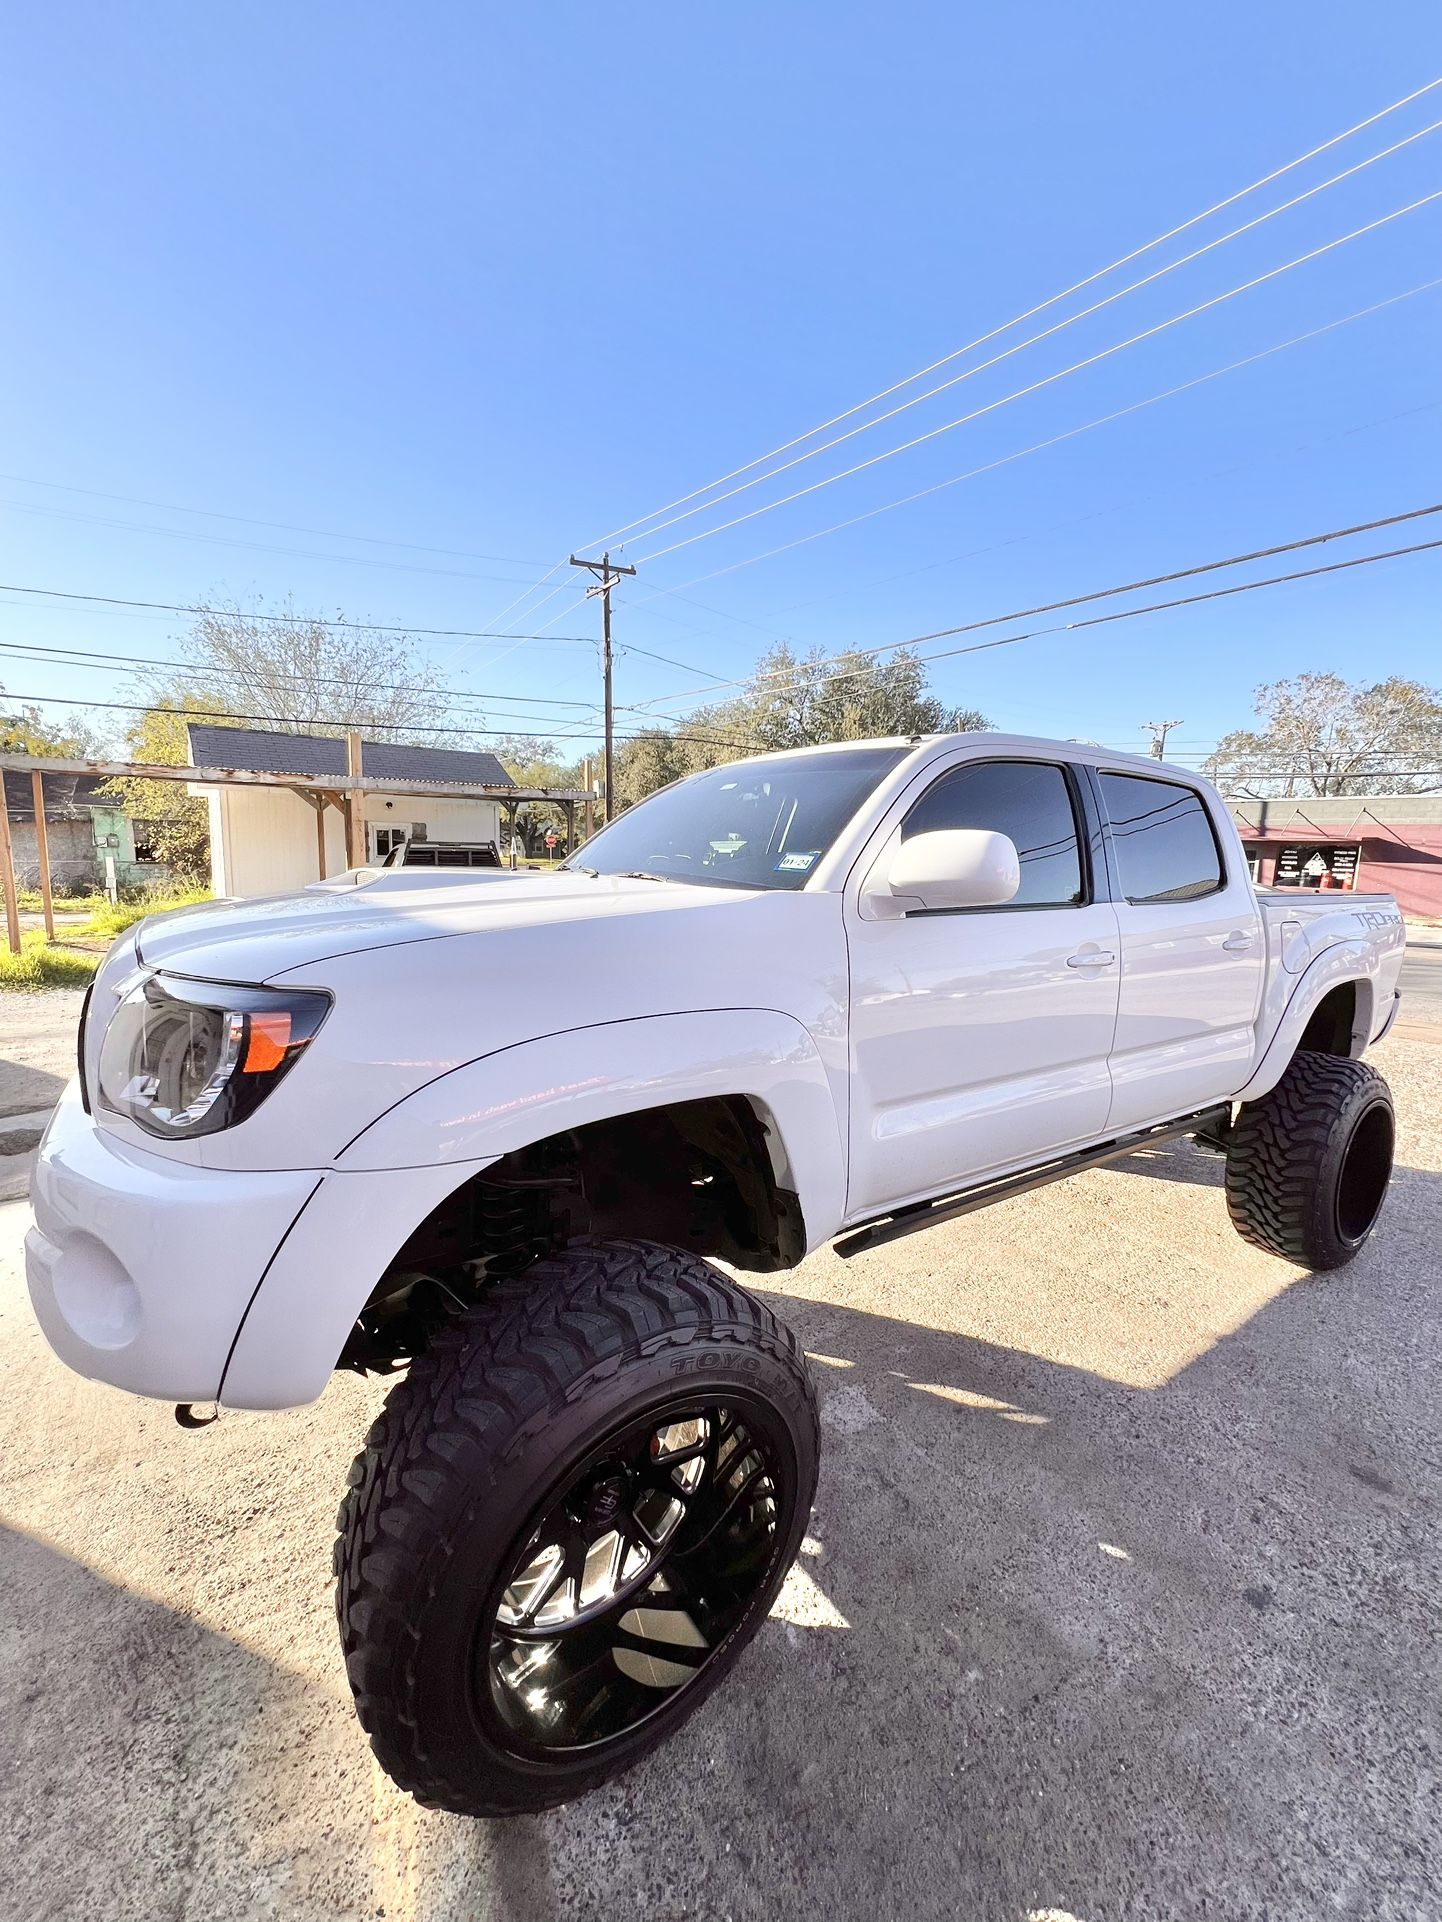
469, 1403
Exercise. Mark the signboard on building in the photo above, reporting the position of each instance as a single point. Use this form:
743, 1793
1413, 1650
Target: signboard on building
1313, 865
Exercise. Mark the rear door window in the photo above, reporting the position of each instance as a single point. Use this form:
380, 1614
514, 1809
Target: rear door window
1163, 839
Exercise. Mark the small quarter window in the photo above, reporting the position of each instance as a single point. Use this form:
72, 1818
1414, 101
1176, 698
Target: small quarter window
1162, 834
1027, 800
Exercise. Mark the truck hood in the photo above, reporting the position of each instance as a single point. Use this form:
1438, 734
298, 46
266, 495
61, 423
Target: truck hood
254, 940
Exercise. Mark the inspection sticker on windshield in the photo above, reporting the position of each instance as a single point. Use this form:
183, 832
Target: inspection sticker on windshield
796, 863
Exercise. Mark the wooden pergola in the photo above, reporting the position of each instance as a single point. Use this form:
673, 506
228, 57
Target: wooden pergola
345, 792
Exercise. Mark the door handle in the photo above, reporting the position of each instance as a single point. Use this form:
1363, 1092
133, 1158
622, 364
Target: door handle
1237, 942
1091, 958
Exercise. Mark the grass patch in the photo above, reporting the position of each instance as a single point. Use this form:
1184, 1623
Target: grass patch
31, 903
71, 960
39, 965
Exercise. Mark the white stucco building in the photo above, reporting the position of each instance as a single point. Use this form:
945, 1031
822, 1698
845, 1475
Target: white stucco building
264, 840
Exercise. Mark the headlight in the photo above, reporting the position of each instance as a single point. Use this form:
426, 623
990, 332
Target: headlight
185, 1058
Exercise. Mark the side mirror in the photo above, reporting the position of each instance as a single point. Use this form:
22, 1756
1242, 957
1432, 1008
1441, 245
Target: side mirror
954, 868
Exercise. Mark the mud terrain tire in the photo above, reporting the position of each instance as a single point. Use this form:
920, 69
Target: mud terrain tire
520, 1412
1308, 1164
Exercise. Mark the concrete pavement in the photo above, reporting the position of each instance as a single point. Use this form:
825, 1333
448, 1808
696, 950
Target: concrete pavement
1121, 1602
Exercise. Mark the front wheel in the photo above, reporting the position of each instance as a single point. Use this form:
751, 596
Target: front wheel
1308, 1164
568, 1522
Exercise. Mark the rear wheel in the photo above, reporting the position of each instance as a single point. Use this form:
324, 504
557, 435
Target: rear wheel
1308, 1164
568, 1522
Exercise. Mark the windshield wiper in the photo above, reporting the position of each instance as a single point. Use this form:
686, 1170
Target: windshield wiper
641, 874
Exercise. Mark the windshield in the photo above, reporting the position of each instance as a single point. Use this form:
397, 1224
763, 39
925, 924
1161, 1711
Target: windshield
751, 824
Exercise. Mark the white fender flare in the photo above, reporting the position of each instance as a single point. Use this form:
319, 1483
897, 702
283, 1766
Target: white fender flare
1349, 961
403, 1165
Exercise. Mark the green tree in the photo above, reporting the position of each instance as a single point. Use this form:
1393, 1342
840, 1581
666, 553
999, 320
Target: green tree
794, 702
24, 730
177, 824
302, 674
1324, 735
531, 762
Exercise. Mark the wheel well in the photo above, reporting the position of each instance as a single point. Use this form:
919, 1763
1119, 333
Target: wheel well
1332, 1022
698, 1175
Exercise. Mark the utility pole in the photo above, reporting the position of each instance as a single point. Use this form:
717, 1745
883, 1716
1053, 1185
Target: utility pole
1160, 730
606, 578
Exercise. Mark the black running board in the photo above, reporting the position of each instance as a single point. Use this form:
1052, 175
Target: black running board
923, 1214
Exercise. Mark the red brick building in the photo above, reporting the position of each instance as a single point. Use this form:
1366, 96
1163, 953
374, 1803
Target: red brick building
1386, 842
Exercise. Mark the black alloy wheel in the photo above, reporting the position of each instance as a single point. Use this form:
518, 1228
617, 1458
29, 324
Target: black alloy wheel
570, 1519
636, 1577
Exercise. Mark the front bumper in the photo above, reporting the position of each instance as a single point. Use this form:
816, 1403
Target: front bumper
209, 1284
141, 1268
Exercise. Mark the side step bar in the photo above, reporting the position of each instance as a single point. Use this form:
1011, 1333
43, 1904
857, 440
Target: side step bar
1213, 1122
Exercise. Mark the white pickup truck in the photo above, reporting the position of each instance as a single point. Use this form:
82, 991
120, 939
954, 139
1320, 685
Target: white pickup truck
497, 1132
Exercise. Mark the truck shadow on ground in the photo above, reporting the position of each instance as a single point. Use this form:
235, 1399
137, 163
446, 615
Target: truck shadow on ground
1105, 1641
24, 1087
1063, 1642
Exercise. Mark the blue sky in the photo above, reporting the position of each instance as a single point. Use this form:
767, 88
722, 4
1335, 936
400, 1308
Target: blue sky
500, 281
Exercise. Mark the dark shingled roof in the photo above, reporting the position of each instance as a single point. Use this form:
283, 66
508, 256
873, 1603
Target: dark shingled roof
264, 753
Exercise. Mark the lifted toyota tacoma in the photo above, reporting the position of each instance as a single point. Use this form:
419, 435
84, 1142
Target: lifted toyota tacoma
498, 1135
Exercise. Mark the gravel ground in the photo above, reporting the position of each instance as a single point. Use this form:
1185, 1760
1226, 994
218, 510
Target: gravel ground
1123, 1603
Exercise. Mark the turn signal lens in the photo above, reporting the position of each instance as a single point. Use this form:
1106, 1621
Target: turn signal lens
184, 1058
267, 1042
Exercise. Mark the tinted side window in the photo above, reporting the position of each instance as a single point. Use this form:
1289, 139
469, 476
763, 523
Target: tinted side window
1026, 800
1165, 847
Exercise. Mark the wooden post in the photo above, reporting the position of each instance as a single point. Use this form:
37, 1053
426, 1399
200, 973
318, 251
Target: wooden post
355, 818
7, 874
319, 805
590, 812
42, 850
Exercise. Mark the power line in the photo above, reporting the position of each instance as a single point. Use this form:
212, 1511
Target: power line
976, 647
93, 660
301, 620
1056, 328
1048, 380
252, 547
1017, 320
1123, 260
1185, 600
201, 718
1097, 594
1055, 440
282, 527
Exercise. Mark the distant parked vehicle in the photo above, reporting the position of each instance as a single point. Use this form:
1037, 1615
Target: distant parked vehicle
444, 854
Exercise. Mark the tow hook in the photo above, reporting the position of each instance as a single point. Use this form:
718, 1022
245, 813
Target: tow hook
191, 1414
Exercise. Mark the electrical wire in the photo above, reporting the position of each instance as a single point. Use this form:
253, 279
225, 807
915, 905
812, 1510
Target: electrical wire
300, 620
1055, 440
281, 527
975, 647
1017, 320
201, 719
1097, 594
97, 661
1049, 380
251, 547
1057, 327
